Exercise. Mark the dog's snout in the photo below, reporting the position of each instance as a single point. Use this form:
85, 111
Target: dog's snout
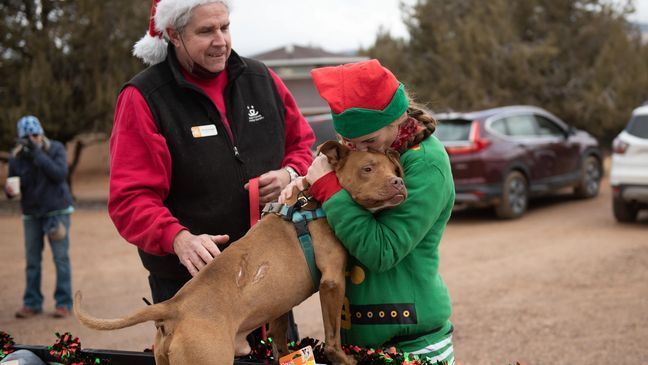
397, 182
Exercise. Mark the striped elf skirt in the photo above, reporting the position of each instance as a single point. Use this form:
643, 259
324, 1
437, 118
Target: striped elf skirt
435, 346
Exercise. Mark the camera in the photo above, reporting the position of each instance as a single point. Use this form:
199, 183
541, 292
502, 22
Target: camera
25, 148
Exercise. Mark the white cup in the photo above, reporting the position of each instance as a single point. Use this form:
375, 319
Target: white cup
14, 184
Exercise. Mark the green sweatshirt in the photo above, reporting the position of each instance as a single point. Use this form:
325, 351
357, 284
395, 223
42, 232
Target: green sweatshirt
394, 287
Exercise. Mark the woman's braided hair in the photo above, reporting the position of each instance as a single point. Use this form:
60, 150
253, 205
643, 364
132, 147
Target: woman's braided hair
424, 118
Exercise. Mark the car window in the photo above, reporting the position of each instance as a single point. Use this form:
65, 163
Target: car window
521, 126
548, 128
638, 126
453, 130
322, 126
499, 126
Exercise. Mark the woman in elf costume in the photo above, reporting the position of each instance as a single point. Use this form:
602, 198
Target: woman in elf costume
394, 293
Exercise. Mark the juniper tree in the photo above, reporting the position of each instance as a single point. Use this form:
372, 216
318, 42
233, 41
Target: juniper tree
65, 61
581, 59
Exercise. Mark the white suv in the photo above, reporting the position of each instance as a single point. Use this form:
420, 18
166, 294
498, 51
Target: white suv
629, 175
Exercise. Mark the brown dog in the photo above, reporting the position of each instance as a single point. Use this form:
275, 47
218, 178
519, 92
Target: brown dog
260, 277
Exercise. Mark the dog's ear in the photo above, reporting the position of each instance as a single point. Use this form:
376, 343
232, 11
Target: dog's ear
394, 157
335, 151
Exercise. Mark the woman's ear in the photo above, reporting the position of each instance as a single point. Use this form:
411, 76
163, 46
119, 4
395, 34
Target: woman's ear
334, 151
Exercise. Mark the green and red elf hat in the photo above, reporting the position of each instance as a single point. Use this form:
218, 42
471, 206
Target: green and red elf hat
363, 96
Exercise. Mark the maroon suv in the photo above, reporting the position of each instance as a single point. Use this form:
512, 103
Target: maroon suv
500, 157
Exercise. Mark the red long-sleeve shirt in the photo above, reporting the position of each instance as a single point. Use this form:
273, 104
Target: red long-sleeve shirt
140, 163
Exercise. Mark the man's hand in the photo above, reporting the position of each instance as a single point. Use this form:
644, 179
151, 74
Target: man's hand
197, 251
270, 185
317, 169
286, 193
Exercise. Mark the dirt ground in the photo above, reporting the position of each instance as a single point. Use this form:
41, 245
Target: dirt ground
565, 284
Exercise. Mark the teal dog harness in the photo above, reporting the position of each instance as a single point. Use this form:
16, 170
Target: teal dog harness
300, 219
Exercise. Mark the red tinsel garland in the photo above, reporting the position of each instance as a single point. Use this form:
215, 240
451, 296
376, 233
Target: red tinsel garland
363, 356
6, 345
67, 350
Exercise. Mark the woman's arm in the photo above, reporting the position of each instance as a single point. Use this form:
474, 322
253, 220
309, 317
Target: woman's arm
382, 240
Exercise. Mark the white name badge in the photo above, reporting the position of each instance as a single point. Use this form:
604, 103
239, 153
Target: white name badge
204, 131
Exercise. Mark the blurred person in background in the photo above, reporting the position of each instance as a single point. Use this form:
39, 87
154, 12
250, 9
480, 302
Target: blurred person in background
41, 165
189, 132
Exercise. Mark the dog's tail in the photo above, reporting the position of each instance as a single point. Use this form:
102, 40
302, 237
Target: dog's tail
153, 312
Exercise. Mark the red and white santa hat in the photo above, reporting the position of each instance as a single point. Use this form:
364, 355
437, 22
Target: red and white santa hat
152, 48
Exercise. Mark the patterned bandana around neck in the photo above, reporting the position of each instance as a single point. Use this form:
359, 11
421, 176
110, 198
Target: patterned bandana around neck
406, 131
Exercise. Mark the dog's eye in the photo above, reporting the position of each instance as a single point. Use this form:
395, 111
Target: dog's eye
367, 169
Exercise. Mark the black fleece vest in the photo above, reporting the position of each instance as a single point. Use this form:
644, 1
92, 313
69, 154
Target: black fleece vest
208, 173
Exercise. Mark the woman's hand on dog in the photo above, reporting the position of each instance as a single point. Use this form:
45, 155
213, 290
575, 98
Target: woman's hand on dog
286, 193
318, 168
195, 252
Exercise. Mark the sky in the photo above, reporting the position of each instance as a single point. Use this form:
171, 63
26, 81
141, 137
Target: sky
334, 25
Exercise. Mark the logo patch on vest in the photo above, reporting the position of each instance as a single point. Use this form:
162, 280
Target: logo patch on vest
253, 114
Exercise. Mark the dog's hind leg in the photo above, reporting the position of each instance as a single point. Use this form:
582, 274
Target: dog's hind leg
200, 343
241, 345
161, 347
278, 333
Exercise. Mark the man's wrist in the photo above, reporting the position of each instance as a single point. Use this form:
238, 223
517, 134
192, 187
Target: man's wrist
292, 173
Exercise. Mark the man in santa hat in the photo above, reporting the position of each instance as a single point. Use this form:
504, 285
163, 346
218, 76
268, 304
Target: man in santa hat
190, 131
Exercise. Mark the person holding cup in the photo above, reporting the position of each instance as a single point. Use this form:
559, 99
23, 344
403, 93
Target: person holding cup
13, 186
38, 174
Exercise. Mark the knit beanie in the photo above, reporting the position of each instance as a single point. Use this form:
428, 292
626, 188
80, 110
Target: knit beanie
363, 96
152, 48
27, 125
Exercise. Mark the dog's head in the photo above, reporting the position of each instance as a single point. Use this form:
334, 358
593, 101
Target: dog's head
374, 180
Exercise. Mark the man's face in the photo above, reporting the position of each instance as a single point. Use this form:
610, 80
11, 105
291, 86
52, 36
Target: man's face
36, 139
206, 39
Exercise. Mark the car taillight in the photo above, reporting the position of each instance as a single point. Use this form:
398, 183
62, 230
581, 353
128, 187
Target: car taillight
618, 146
476, 141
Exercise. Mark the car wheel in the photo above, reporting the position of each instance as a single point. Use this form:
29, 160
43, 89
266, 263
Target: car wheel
624, 211
590, 182
515, 196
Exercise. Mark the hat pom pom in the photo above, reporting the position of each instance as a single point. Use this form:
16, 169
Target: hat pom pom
151, 50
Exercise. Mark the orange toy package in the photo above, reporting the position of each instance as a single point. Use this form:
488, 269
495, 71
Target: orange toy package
302, 356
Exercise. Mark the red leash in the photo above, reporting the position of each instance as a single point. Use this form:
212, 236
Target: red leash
253, 190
